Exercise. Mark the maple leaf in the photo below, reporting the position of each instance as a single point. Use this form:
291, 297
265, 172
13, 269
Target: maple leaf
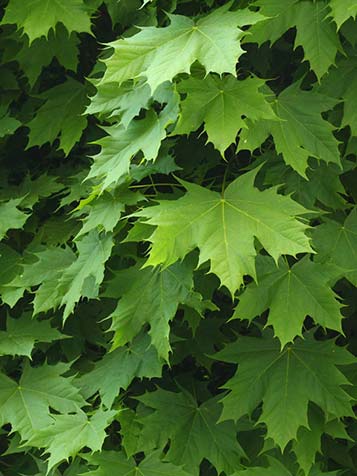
291, 294
33, 57
161, 291
105, 211
159, 54
39, 267
117, 369
221, 104
341, 84
109, 462
60, 115
26, 404
336, 246
193, 430
308, 441
22, 334
36, 18
307, 371
10, 216
124, 101
314, 32
8, 124
341, 12
212, 222
68, 434
9, 264
118, 148
301, 133
83, 277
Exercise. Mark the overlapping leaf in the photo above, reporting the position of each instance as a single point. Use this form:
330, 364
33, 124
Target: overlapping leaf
159, 54
224, 227
307, 371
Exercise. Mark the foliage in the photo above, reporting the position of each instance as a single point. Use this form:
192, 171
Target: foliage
178, 226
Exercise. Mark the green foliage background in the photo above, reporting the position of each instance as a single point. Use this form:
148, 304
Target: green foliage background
178, 255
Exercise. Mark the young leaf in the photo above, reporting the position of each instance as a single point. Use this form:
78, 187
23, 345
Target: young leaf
213, 222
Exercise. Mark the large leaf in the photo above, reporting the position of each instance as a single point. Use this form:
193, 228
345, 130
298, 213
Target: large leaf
224, 227
307, 371
159, 54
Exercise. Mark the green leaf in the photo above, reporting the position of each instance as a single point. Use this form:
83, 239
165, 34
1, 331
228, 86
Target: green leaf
60, 115
210, 221
280, 380
336, 246
302, 132
110, 462
33, 58
40, 267
70, 433
84, 276
22, 334
117, 369
341, 12
275, 468
26, 405
10, 216
341, 84
8, 124
291, 294
159, 54
192, 430
124, 101
122, 144
314, 32
105, 211
221, 104
161, 291
36, 18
